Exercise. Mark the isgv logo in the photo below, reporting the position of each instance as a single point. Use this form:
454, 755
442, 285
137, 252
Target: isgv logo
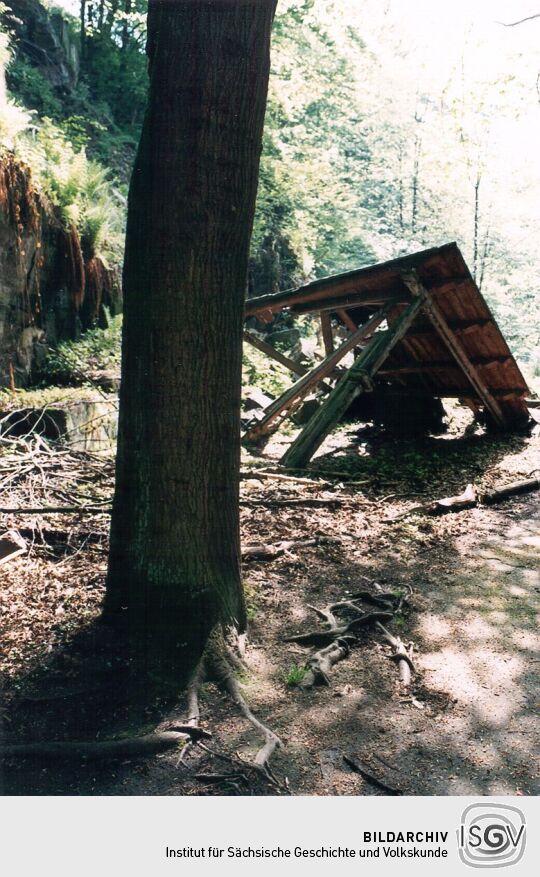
491, 835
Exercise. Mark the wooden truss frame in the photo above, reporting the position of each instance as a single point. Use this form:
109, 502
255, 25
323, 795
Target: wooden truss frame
408, 298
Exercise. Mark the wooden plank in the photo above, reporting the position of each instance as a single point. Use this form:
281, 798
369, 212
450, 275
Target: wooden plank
457, 326
453, 392
353, 300
347, 320
509, 393
374, 280
327, 334
461, 356
355, 381
410, 368
301, 388
296, 367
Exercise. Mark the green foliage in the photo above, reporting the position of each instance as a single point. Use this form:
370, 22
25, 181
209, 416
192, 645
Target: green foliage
308, 204
96, 350
78, 186
14, 120
366, 155
294, 675
43, 397
250, 596
259, 371
33, 90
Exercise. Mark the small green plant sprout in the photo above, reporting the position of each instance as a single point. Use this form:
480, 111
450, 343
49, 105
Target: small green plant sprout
294, 675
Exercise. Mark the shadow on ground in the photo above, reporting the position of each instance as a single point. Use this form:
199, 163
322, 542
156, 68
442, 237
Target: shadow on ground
469, 725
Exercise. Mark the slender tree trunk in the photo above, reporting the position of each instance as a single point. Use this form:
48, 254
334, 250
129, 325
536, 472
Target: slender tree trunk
125, 26
476, 225
415, 181
400, 192
174, 565
485, 255
110, 18
82, 17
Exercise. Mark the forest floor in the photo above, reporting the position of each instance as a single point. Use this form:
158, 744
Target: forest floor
469, 723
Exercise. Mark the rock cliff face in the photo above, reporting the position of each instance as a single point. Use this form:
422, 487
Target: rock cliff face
45, 39
48, 292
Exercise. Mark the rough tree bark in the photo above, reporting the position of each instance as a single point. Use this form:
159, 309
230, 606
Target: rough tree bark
174, 564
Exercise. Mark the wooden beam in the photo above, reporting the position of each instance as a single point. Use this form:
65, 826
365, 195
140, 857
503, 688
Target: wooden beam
452, 392
301, 388
509, 392
296, 367
407, 368
382, 277
355, 381
461, 356
457, 326
327, 334
355, 300
347, 320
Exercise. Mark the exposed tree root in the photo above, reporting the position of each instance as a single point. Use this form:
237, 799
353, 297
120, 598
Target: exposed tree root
193, 711
369, 776
217, 664
325, 637
320, 664
219, 667
402, 655
335, 643
104, 750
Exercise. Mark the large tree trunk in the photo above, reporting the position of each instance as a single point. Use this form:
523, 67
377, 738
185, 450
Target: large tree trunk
174, 565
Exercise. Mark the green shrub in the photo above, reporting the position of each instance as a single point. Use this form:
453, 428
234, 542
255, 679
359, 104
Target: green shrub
96, 350
259, 371
294, 675
32, 88
79, 187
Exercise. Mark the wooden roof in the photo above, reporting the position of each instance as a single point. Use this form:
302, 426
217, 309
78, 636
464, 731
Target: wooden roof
453, 347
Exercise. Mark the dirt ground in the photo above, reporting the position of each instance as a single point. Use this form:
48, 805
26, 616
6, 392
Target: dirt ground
469, 723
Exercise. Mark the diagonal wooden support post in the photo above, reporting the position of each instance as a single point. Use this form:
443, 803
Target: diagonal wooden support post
301, 388
347, 320
456, 348
326, 329
355, 381
296, 367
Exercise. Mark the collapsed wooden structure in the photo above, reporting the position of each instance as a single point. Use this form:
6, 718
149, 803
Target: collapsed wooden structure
417, 325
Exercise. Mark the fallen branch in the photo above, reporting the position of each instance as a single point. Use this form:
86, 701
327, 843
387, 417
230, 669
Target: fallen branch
470, 498
259, 474
465, 500
58, 510
498, 494
269, 552
520, 21
12, 545
283, 503
247, 766
217, 778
